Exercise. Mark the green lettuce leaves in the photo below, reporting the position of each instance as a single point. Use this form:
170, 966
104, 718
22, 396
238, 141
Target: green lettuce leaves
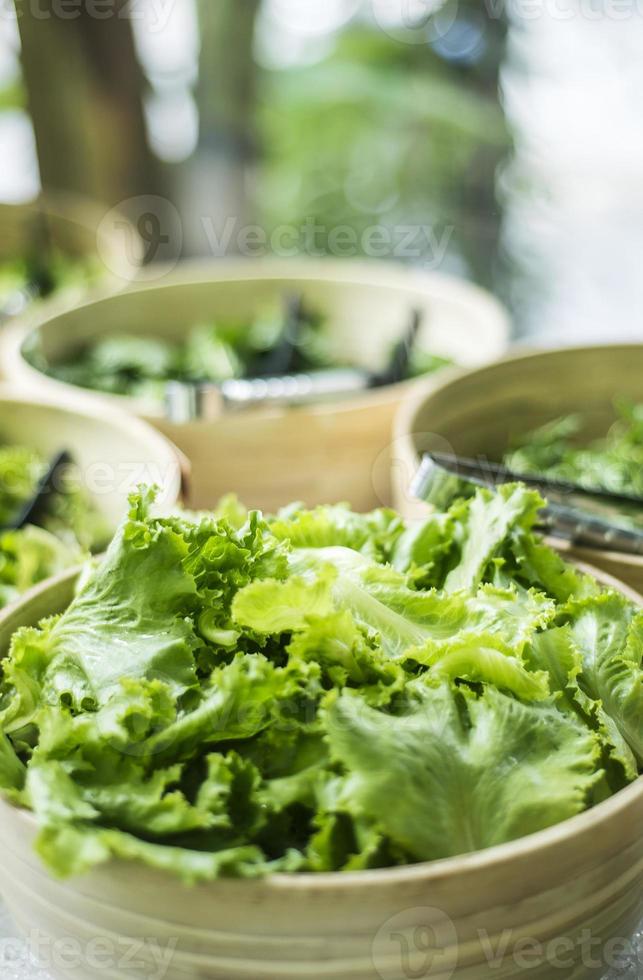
233, 694
29, 555
613, 462
609, 636
465, 772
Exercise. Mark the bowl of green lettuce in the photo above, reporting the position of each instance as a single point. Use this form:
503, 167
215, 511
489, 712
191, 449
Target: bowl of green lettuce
216, 319
31, 553
60, 244
109, 455
573, 414
326, 743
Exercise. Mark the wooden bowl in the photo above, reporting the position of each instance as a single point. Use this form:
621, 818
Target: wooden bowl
270, 456
76, 227
482, 412
114, 452
559, 903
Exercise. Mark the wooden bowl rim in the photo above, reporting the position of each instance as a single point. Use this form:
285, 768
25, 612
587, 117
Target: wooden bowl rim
421, 391
515, 356
424, 871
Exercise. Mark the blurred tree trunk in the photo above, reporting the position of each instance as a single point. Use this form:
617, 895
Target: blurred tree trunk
85, 89
481, 206
220, 173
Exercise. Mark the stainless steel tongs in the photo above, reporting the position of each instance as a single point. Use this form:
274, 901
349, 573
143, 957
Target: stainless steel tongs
594, 518
207, 400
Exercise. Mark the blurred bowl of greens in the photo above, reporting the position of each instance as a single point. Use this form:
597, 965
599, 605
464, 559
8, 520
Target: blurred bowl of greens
107, 455
217, 320
61, 244
573, 414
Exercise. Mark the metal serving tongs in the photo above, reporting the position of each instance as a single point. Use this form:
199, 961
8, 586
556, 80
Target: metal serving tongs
50, 485
594, 518
187, 401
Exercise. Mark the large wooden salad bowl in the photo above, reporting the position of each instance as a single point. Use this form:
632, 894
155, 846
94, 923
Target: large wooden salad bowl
560, 903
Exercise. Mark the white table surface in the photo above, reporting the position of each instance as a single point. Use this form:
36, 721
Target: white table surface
16, 963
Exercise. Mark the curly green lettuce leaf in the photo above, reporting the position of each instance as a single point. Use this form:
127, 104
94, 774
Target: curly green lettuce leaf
12, 771
129, 619
74, 849
609, 635
344, 842
270, 606
347, 656
374, 534
123, 796
555, 652
422, 550
488, 520
539, 566
482, 658
465, 773
236, 703
338, 579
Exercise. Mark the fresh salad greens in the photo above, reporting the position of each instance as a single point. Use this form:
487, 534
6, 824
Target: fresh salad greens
229, 695
613, 463
140, 366
41, 275
29, 555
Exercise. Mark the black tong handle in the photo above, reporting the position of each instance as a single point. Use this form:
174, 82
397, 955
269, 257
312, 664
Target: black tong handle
36, 509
